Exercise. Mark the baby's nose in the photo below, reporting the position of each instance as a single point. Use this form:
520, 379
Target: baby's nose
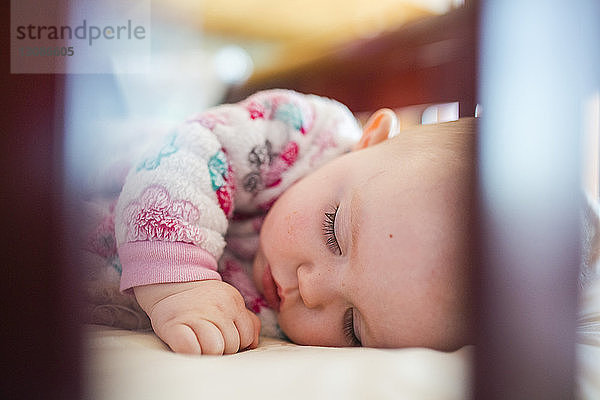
315, 285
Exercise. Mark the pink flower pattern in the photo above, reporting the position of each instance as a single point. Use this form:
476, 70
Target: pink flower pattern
286, 159
225, 193
291, 109
154, 216
209, 120
256, 109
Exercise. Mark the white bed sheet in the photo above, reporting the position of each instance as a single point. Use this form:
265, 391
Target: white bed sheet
132, 365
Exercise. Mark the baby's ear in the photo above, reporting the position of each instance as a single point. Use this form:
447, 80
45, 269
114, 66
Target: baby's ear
378, 128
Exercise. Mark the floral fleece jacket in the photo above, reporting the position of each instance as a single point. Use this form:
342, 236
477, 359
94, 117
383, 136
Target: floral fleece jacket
192, 207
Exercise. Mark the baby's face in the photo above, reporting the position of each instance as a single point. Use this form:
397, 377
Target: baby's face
365, 251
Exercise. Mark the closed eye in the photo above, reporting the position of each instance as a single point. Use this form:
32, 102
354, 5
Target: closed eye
329, 232
349, 333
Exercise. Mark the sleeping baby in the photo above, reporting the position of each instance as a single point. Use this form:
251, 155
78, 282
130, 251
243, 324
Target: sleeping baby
280, 215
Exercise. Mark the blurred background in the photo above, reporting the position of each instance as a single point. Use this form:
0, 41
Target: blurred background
202, 49
366, 54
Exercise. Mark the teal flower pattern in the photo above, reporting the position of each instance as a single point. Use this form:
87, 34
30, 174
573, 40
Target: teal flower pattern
168, 149
217, 167
290, 114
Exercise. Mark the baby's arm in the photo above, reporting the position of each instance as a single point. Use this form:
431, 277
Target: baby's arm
169, 223
202, 317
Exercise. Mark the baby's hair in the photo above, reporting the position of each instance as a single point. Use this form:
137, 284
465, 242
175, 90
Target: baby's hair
454, 140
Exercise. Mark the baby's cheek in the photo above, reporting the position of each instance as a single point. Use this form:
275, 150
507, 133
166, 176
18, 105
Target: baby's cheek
299, 327
291, 217
295, 224
289, 326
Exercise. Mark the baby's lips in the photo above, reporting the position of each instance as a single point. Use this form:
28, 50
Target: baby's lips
270, 289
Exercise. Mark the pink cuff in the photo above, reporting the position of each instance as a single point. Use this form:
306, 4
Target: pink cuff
149, 262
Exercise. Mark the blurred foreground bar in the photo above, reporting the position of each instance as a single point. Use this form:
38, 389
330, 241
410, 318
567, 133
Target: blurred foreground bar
538, 64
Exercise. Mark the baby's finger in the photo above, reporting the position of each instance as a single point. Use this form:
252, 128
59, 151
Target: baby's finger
256, 322
248, 326
231, 336
181, 339
209, 336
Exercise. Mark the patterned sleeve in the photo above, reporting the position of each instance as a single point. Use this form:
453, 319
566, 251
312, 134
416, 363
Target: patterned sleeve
173, 211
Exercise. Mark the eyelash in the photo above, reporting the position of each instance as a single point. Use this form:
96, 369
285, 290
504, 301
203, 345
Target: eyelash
329, 232
349, 328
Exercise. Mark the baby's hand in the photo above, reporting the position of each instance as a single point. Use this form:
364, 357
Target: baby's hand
203, 317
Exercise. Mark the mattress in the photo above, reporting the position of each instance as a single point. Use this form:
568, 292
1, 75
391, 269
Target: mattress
129, 365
